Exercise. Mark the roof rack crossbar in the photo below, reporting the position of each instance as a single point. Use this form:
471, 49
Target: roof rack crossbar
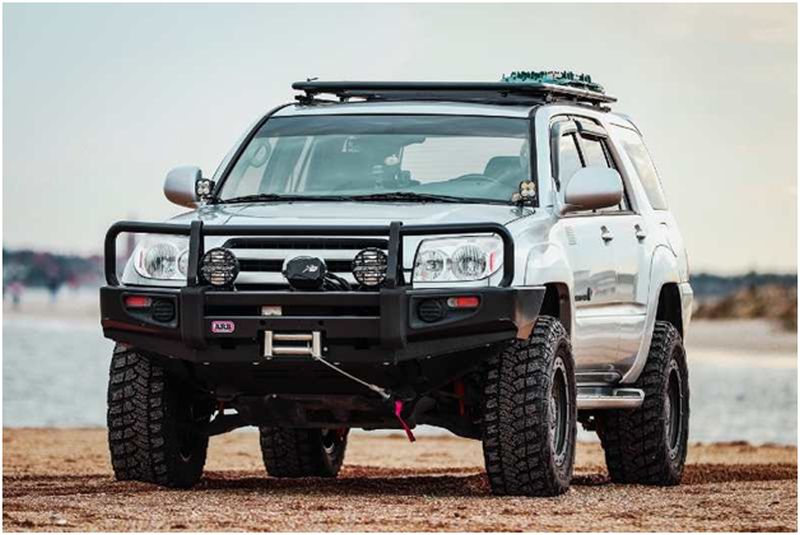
492, 92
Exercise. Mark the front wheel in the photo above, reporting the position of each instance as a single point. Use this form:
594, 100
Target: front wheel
529, 414
648, 445
156, 431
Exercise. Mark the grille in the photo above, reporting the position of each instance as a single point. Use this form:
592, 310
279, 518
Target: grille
261, 259
277, 265
306, 243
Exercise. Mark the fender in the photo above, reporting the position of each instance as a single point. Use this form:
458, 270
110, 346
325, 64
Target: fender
546, 263
664, 269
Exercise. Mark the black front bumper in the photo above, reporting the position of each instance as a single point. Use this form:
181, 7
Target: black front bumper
380, 328
367, 327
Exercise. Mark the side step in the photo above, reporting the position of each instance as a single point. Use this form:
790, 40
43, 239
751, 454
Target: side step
606, 397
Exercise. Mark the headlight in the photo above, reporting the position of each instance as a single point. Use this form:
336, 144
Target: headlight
466, 258
162, 257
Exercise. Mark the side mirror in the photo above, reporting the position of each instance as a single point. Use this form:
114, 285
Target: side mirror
592, 188
185, 186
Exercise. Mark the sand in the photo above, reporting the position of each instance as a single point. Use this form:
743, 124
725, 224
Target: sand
61, 480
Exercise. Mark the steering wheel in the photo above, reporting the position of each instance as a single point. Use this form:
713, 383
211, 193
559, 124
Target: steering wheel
476, 177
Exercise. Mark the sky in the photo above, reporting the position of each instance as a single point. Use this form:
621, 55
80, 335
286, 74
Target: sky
101, 100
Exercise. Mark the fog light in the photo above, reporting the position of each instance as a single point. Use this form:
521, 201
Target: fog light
369, 267
219, 267
163, 310
431, 310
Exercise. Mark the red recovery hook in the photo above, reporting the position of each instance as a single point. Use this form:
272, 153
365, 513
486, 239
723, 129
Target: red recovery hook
398, 412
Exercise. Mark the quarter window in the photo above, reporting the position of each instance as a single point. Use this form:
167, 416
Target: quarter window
634, 147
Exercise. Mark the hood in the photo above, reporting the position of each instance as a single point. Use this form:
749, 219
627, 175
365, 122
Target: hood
353, 213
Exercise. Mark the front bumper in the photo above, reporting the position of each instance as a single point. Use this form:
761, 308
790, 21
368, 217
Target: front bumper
379, 328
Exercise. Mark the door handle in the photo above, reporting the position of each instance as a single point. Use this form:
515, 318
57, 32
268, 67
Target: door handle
606, 234
640, 233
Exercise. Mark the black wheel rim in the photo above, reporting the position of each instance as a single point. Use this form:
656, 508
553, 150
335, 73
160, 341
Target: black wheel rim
673, 422
186, 441
189, 431
559, 413
332, 440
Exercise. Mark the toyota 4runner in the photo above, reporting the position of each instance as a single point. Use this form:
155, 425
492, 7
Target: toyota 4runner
494, 259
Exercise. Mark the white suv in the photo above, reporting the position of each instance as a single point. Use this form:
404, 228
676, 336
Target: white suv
496, 259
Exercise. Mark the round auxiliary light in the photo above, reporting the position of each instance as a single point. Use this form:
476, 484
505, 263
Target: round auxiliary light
219, 267
369, 267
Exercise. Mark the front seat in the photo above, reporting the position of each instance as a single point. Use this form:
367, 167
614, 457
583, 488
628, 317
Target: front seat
506, 169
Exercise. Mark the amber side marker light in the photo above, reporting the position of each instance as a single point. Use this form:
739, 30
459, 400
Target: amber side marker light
463, 301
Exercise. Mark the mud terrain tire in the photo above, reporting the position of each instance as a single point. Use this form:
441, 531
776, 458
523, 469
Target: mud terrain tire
529, 414
302, 452
151, 436
647, 445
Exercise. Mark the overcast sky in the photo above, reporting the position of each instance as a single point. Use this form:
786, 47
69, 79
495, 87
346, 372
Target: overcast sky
100, 101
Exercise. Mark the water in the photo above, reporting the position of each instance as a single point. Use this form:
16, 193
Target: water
55, 373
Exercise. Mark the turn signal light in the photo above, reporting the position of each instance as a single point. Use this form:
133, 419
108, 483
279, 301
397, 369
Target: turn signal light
463, 301
138, 301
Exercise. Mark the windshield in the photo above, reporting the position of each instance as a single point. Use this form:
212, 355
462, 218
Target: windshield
474, 158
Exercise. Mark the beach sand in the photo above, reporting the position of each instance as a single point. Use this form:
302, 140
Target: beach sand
61, 480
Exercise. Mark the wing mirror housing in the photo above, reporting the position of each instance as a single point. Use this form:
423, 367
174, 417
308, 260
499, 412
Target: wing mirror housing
592, 188
185, 186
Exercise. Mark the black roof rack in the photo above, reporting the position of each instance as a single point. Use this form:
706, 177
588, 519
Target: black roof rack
531, 93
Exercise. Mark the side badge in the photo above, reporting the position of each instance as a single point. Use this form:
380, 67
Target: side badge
222, 326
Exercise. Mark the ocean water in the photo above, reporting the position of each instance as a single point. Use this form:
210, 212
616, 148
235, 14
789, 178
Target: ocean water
55, 372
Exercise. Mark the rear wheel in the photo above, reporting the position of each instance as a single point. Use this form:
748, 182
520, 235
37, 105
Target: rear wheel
530, 414
303, 452
648, 445
156, 430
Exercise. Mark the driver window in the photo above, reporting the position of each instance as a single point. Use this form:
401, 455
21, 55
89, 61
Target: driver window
569, 160
595, 154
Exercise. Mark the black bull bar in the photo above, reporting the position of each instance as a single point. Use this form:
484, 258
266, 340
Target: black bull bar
504, 311
395, 231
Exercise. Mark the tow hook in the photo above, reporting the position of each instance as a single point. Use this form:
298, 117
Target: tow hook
382, 392
398, 412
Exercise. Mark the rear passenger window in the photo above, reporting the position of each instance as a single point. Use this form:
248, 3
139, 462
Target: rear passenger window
634, 147
569, 161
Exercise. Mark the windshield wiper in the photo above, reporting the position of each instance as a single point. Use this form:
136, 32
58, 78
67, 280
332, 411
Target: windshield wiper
401, 196
420, 197
267, 197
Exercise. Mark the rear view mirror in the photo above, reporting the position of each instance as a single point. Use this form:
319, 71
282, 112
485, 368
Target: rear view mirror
185, 186
592, 188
